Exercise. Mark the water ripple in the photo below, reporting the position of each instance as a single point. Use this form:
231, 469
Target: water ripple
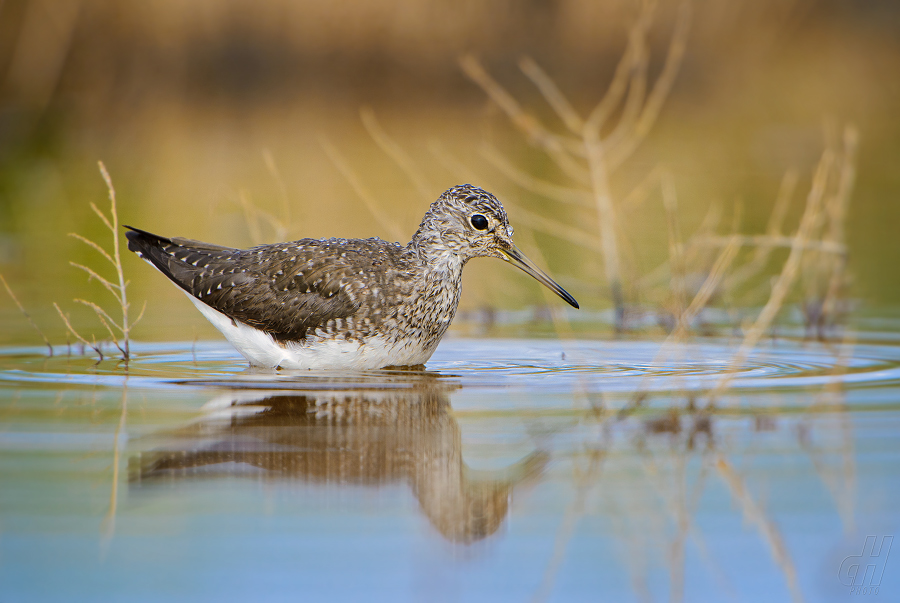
542, 365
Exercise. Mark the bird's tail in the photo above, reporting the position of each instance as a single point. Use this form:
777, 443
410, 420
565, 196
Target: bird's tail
181, 260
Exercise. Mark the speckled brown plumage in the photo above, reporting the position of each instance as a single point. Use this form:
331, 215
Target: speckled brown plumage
310, 291
289, 288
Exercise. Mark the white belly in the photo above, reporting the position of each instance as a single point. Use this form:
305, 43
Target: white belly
261, 349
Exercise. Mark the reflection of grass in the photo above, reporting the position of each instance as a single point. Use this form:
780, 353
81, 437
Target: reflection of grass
767, 528
108, 526
584, 482
113, 328
657, 466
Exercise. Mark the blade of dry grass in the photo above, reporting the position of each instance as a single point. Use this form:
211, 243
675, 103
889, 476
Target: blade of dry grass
140, 314
637, 84
94, 208
105, 320
619, 84
787, 276
695, 255
765, 245
782, 202
535, 132
561, 194
118, 289
837, 212
90, 243
356, 184
269, 160
639, 193
678, 281
395, 152
26, 315
766, 241
709, 286
114, 227
93, 275
77, 335
555, 98
252, 217
661, 88
606, 217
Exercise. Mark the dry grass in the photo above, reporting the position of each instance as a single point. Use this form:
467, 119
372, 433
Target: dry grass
27, 315
119, 331
255, 218
820, 261
594, 147
362, 192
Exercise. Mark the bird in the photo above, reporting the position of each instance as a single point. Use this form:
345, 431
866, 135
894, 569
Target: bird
351, 304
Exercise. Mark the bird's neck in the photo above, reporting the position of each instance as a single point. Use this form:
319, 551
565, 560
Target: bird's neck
435, 254
431, 311
441, 267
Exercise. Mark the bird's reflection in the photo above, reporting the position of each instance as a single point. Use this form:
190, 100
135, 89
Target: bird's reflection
395, 433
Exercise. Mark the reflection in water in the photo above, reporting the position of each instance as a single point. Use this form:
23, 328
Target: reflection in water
762, 494
350, 436
652, 483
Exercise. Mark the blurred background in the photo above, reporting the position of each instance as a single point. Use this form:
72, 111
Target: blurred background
239, 122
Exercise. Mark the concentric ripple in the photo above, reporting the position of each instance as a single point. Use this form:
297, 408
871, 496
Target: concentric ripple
547, 365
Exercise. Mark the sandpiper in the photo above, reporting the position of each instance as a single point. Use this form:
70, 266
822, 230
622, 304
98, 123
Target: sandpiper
342, 303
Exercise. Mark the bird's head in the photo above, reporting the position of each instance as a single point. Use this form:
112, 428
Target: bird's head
467, 222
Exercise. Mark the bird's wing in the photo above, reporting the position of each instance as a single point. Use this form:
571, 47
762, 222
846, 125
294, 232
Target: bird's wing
286, 290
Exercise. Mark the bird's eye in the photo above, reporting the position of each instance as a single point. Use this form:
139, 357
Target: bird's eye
479, 222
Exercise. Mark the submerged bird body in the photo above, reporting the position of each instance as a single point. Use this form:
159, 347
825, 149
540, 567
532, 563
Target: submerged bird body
341, 303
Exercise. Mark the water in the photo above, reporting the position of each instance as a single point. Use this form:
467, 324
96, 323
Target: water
508, 470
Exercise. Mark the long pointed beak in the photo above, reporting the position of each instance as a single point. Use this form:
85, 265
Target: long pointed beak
518, 259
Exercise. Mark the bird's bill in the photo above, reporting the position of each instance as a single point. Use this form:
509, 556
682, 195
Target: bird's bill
518, 259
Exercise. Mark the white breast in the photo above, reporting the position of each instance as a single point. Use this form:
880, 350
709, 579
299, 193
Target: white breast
261, 349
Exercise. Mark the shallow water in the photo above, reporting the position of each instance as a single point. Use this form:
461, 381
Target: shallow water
508, 470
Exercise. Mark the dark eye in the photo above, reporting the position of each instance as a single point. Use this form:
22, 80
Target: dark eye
479, 222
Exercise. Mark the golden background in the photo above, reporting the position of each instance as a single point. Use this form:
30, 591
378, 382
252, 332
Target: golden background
211, 115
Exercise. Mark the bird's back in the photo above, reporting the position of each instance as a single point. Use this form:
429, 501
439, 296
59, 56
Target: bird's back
311, 287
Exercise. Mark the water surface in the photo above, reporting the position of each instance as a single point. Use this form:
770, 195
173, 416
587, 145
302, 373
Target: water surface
508, 470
